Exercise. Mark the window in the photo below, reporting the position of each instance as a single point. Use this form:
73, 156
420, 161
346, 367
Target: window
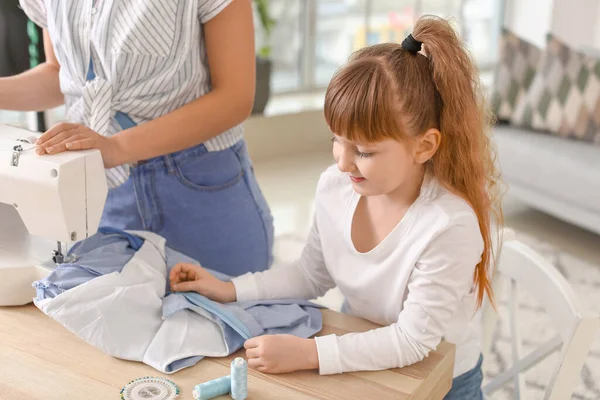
340, 26
286, 43
312, 38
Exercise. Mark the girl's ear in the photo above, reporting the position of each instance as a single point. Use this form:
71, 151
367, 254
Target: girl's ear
426, 146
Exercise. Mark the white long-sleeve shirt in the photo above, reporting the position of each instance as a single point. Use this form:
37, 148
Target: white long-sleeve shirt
417, 283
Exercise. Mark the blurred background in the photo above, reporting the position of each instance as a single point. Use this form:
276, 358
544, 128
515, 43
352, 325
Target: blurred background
313, 38
305, 41
540, 62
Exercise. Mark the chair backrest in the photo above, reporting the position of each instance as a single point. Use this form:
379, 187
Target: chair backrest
526, 269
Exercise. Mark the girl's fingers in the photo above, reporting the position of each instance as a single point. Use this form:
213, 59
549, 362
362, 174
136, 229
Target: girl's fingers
183, 276
188, 286
253, 353
255, 363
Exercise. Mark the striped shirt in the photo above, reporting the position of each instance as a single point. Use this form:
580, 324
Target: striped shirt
149, 59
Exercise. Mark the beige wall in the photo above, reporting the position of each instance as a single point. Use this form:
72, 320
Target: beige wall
286, 135
574, 21
529, 19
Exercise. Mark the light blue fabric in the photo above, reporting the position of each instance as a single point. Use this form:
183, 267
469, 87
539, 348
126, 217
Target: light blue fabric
103, 253
106, 252
135, 242
110, 250
223, 313
242, 321
468, 385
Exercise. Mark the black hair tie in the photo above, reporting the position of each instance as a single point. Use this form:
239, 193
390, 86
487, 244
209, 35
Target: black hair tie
411, 44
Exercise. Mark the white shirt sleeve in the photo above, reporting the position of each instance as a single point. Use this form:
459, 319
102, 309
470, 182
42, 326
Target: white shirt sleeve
306, 278
440, 281
208, 9
35, 11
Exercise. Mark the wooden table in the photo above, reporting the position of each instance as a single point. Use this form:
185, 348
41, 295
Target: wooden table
41, 360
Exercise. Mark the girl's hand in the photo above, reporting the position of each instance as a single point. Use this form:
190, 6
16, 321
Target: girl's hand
66, 137
193, 278
276, 354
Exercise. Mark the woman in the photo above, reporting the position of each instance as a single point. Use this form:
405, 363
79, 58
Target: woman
160, 87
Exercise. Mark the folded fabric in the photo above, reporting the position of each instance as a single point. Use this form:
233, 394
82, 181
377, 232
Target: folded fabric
234, 323
121, 304
104, 253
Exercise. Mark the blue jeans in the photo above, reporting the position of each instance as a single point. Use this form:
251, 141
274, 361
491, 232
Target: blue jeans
207, 205
468, 385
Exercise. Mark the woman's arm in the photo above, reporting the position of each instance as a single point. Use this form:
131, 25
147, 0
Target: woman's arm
37, 89
231, 56
229, 40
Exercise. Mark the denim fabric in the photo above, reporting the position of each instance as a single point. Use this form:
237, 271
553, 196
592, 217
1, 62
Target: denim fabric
207, 205
468, 385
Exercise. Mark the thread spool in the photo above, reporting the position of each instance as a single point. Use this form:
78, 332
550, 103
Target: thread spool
239, 379
211, 389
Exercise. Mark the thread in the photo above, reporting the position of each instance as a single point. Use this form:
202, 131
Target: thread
239, 379
211, 389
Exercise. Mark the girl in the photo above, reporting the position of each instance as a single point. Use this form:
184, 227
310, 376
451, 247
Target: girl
402, 224
161, 88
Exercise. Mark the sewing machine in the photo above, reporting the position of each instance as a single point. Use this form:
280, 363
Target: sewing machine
46, 203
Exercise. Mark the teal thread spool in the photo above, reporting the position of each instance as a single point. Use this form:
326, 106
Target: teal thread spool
239, 379
211, 389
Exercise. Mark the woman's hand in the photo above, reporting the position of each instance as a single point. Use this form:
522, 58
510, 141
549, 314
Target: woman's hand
193, 278
276, 354
66, 137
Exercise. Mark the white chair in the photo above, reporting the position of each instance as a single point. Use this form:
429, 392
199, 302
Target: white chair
526, 269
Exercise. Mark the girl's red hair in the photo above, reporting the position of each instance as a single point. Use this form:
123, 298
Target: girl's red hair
385, 91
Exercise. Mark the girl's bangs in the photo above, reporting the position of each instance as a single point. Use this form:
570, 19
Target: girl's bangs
360, 104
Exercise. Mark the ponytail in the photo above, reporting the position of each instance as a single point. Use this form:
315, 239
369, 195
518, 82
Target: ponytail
464, 161
397, 91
